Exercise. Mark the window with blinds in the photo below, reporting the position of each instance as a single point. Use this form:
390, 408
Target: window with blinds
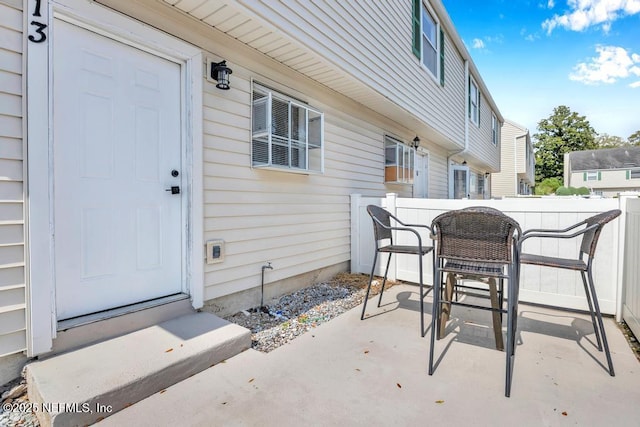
399, 161
286, 134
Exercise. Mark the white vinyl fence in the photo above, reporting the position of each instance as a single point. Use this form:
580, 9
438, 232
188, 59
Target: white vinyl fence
541, 285
631, 268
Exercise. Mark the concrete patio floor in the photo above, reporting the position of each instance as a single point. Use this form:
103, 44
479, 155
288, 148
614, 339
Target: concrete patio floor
349, 372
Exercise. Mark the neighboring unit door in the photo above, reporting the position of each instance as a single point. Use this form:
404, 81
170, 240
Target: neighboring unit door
116, 150
459, 182
420, 180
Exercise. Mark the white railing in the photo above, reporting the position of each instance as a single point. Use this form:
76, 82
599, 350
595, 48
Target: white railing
548, 286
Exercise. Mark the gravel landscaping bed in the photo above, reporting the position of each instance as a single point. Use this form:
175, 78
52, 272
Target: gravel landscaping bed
294, 314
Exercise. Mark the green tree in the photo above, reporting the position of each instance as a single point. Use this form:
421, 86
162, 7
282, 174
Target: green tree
609, 141
634, 139
563, 132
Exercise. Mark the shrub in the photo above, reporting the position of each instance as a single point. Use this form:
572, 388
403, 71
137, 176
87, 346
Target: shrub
583, 191
572, 191
547, 186
564, 191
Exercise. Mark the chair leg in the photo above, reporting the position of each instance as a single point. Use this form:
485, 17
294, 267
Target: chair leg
366, 297
384, 280
445, 312
501, 298
497, 315
434, 315
603, 335
421, 296
512, 318
593, 317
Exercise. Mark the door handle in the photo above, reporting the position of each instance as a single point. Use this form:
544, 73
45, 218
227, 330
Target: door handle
174, 190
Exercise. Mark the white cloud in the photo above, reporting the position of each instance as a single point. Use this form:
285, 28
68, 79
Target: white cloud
586, 13
478, 44
613, 63
529, 37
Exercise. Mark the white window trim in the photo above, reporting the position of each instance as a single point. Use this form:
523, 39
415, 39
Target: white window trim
480, 178
294, 101
475, 118
41, 310
592, 176
495, 129
436, 75
452, 171
405, 149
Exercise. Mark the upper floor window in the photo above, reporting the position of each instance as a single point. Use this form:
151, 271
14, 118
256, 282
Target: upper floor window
474, 101
399, 161
495, 130
286, 133
634, 173
428, 39
592, 176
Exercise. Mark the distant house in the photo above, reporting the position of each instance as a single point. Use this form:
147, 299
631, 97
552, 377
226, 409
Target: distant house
606, 172
132, 170
517, 163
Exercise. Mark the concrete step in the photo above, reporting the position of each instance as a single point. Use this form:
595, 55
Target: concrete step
90, 329
88, 384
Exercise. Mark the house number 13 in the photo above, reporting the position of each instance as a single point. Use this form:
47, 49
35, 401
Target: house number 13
40, 35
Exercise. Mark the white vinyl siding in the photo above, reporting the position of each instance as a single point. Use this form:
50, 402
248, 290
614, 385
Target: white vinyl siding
438, 170
481, 138
525, 162
505, 182
298, 222
516, 167
386, 71
607, 182
12, 262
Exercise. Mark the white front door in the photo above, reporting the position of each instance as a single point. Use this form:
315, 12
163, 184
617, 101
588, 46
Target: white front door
420, 180
459, 182
116, 149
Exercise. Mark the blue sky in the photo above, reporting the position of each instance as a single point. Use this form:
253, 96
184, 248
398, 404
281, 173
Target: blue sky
536, 55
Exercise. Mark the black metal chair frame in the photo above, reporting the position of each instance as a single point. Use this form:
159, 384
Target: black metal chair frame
476, 253
383, 230
590, 235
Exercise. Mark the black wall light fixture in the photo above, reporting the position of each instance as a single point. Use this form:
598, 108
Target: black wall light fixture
416, 142
220, 73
